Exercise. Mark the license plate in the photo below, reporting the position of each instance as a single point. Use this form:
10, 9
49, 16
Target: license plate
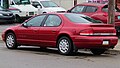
119, 17
105, 43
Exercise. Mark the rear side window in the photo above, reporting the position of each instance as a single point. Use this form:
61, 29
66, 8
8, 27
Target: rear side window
78, 9
91, 9
76, 18
52, 20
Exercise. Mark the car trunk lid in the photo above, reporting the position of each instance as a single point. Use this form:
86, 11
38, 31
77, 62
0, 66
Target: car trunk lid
103, 29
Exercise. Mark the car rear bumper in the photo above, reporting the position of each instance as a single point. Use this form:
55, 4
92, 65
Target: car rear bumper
95, 42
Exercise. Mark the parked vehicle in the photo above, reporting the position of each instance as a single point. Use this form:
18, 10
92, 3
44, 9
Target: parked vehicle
66, 31
22, 9
6, 16
98, 12
46, 6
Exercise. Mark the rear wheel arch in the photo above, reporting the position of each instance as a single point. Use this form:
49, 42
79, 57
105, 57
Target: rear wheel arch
75, 49
64, 35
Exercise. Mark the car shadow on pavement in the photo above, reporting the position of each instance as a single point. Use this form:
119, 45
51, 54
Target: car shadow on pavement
54, 51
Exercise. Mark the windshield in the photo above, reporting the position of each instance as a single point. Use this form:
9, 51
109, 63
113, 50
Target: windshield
76, 18
48, 4
18, 2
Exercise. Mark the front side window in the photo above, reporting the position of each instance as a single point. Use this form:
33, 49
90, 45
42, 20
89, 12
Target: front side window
52, 20
91, 9
36, 21
77, 9
48, 4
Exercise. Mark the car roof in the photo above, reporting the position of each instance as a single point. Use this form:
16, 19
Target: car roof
93, 4
40, 0
68, 13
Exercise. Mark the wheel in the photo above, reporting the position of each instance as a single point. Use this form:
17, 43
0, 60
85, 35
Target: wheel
65, 46
11, 41
17, 19
98, 51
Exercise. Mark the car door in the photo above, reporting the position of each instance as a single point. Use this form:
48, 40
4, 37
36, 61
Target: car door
28, 32
51, 27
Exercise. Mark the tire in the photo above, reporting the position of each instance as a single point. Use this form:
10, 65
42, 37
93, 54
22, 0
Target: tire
11, 41
65, 46
17, 19
98, 51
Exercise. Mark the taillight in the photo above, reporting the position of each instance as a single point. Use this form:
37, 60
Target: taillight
86, 32
90, 32
105, 15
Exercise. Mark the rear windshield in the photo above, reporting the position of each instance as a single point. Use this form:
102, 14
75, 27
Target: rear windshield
91, 19
77, 18
48, 4
105, 9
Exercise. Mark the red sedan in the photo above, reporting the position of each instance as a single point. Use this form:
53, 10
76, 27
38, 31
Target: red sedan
65, 31
97, 11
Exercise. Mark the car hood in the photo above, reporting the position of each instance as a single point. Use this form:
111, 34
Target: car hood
54, 9
5, 12
25, 7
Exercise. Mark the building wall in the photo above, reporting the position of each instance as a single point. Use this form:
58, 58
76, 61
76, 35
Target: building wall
67, 4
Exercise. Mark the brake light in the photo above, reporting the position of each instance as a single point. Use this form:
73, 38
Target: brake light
86, 32
90, 32
105, 15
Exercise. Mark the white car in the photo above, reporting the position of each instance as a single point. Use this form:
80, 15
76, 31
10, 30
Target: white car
46, 6
22, 9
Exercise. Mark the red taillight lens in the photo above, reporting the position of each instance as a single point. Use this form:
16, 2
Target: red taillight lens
89, 32
86, 32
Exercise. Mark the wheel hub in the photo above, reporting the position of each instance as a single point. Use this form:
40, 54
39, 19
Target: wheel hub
10, 40
64, 45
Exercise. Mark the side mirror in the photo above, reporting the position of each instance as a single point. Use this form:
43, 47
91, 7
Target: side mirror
39, 6
24, 25
69, 11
